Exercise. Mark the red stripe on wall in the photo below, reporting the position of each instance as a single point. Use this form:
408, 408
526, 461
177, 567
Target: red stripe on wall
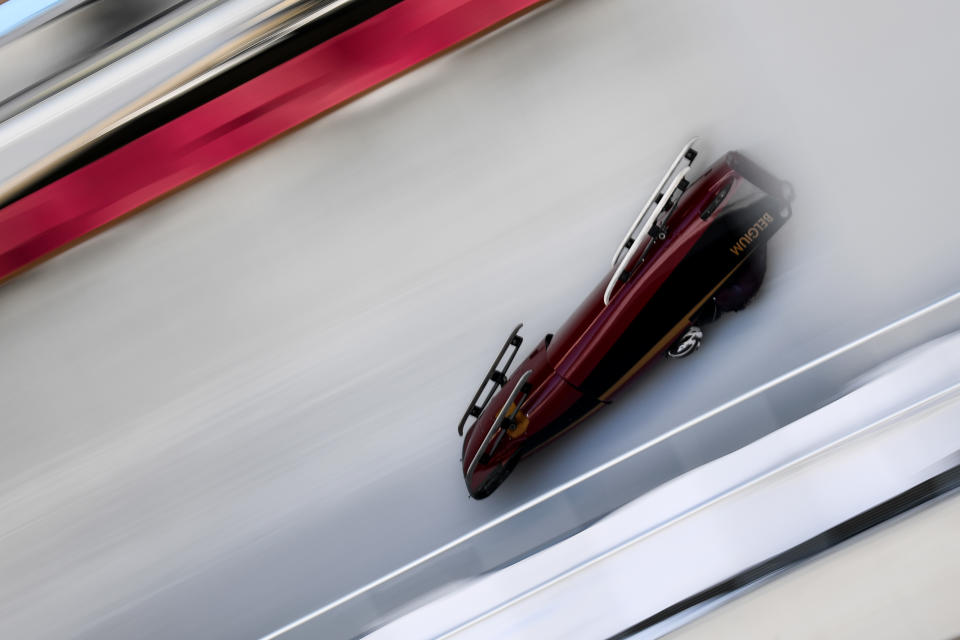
65, 211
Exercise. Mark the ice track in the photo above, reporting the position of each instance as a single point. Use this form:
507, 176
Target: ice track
241, 403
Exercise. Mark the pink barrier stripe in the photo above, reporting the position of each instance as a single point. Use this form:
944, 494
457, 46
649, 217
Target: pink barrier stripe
357, 60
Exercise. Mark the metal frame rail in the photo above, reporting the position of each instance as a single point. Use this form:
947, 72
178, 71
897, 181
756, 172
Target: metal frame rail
497, 377
501, 419
659, 200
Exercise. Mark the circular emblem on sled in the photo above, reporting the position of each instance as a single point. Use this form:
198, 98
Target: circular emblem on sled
687, 343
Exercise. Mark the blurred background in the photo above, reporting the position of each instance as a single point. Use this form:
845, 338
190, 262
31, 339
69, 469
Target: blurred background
256, 256
48, 45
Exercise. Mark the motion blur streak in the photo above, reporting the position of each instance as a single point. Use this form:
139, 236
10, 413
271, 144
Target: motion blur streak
770, 504
615, 461
242, 403
912, 589
328, 75
949, 393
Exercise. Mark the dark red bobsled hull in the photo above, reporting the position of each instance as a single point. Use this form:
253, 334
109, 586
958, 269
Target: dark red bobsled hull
718, 222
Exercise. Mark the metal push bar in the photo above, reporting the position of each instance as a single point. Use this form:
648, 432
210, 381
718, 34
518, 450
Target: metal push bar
498, 422
660, 199
497, 377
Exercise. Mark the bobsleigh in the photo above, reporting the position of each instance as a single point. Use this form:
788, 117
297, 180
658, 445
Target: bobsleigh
696, 250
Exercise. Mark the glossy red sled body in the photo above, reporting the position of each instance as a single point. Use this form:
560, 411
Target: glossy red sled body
690, 252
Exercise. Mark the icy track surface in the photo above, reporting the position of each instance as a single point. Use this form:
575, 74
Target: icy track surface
241, 403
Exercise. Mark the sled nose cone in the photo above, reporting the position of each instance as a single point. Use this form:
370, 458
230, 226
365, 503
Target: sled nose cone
475, 473
480, 474
482, 481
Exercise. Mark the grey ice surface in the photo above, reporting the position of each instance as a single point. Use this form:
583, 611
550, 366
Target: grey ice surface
241, 403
